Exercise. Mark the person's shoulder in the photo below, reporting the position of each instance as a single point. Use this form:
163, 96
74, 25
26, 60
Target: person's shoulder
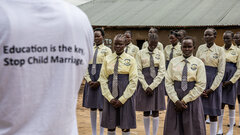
176, 59
159, 43
202, 46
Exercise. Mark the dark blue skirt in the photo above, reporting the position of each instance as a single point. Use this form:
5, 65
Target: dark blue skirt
188, 122
212, 104
229, 93
123, 117
238, 87
156, 102
93, 98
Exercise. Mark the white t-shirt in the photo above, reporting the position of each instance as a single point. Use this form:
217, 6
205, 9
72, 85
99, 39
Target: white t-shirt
45, 47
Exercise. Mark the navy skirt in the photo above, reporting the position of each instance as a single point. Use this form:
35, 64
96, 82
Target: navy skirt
212, 104
93, 98
123, 117
238, 87
156, 102
229, 93
188, 122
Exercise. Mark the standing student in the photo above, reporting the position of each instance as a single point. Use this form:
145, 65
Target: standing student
145, 44
130, 47
185, 82
45, 47
236, 39
214, 59
232, 73
118, 79
150, 93
174, 49
92, 96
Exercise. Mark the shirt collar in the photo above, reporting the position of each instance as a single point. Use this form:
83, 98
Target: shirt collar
154, 51
188, 59
121, 56
232, 47
178, 44
211, 48
100, 46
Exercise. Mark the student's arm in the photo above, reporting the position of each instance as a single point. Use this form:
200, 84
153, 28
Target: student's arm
237, 73
104, 82
221, 69
140, 74
170, 84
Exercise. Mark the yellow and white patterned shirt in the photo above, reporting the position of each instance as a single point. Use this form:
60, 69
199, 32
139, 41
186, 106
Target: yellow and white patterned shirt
195, 72
233, 55
176, 51
132, 50
127, 65
103, 51
213, 57
143, 61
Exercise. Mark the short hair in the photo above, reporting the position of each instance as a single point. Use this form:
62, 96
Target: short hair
153, 37
214, 31
174, 32
101, 30
155, 29
128, 31
119, 36
230, 32
183, 31
189, 37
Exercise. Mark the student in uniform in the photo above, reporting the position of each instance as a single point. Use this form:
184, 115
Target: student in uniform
130, 47
150, 92
236, 39
92, 96
118, 79
232, 73
174, 49
145, 44
185, 82
214, 59
181, 34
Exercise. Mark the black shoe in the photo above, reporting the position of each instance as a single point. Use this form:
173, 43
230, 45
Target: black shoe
233, 125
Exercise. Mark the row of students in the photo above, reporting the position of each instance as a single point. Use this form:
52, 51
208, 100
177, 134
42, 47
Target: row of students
150, 88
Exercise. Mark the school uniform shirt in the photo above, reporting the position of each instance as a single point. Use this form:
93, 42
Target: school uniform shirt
128, 66
143, 61
213, 57
195, 73
103, 51
233, 55
159, 46
45, 48
132, 50
176, 51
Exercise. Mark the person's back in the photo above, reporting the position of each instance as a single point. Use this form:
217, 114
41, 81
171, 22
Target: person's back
45, 46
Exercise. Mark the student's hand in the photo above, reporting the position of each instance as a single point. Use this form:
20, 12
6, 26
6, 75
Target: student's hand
180, 106
113, 102
209, 91
204, 94
226, 83
149, 91
117, 104
96, 85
